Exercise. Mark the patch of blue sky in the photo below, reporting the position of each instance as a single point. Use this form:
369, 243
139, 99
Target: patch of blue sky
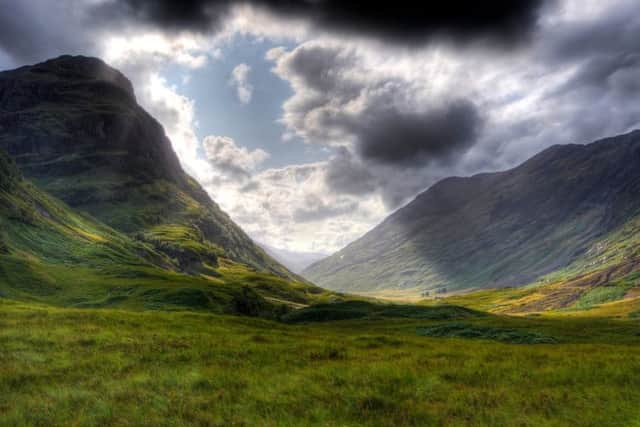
252, 125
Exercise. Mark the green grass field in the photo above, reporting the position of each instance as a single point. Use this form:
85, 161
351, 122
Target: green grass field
97, 367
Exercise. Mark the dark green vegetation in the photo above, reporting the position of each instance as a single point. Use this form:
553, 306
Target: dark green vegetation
465, 330
63, 367
373, 311
570, 206
132, 229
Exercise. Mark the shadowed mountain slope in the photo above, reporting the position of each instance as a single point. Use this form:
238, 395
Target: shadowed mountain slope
497, 229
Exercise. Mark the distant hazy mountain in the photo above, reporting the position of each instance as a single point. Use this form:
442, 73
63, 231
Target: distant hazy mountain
294, 261
497, 229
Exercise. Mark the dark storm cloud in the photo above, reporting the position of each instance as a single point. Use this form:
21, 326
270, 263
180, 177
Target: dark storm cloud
347, 176
390, 127
35, 30
404, 21
606, 50
179, 15
602, 92
406, 138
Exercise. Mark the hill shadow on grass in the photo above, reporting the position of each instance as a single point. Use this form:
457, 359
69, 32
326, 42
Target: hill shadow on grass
505, 335
351, 310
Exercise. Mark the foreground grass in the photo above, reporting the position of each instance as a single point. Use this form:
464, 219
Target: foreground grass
107, 367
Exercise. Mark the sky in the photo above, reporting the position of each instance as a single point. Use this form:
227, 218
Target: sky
309, 122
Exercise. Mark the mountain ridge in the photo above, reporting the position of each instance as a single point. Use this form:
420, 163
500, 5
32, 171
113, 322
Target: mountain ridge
495, 229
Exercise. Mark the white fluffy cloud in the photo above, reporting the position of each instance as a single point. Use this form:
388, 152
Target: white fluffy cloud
240, 81
231, 161
292, 207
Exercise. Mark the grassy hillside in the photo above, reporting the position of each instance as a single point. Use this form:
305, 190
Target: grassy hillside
50, 253
500, 229
95, 368
604, 280
75, 129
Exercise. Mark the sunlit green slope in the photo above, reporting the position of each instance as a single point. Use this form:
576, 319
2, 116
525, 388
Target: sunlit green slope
50, 253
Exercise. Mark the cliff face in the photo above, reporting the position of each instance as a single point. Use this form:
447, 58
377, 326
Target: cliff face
498, 229
79, 107
73, 126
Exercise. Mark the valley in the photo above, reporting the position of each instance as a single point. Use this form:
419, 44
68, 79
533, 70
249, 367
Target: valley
128, 297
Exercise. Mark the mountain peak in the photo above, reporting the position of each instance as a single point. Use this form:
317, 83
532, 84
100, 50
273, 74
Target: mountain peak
76, 68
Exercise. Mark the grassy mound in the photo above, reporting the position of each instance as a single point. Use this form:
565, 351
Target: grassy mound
348, 310
506, 335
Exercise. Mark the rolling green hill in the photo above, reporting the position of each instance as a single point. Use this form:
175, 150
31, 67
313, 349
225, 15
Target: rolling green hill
503, 229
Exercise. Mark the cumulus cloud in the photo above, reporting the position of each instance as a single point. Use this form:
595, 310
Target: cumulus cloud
240, 81
292, 207
230, 160
376, 118
339, 99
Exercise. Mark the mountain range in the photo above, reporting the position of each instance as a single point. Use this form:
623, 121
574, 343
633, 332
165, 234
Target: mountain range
96, 211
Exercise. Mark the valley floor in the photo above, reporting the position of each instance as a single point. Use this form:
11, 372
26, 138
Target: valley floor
106, 367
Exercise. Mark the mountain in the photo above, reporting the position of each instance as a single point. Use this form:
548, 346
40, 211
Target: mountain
95, 210
74, 128
500, 229
293, 260
50, 253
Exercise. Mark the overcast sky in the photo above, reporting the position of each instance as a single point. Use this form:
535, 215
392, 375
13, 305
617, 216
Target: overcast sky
310, 122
